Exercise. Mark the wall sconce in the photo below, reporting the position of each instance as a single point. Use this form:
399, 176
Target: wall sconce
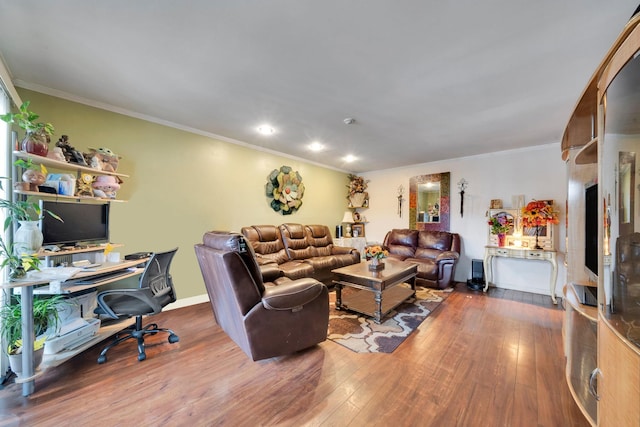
462, 185
400, 195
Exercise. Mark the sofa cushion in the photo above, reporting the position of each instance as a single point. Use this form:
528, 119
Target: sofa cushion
402, 242
319, 238
439, 240
296, 269
295, 241
427, 269
266, 242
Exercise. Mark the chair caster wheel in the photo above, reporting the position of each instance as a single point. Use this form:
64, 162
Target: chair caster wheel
173, 338
142, 356
102, 359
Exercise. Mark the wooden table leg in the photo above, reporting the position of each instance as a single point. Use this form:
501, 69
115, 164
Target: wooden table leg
338, 296
378, 314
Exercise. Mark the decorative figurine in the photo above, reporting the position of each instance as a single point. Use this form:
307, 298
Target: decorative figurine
34, 178
83, 185
71, 155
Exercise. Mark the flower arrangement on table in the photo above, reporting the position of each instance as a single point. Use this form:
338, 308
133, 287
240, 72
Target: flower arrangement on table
500, 224
375, 253
539, 213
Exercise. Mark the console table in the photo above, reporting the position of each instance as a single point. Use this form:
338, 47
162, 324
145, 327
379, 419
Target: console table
352, 242
26, 302
521, 253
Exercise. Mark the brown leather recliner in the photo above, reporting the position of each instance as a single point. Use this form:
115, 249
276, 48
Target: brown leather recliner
299, 251
435, 252
263, 321
313, 245
267, 243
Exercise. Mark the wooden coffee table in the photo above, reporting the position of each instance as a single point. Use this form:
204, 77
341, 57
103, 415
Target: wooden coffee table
382, 284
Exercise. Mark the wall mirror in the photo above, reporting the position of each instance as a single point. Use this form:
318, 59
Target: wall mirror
429, 202
626, 184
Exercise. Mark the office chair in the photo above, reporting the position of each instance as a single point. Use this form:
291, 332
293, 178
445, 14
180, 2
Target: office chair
155, 291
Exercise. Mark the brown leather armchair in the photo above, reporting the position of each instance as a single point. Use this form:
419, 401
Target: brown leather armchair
263, 321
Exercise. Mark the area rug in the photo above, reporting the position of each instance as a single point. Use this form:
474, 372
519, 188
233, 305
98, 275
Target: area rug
362, 334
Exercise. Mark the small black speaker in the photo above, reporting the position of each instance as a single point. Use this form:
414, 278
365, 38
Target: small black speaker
338, 231
477, 270
477, 275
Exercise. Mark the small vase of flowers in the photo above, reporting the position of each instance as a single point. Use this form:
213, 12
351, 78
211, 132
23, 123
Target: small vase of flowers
376, 253
500, 225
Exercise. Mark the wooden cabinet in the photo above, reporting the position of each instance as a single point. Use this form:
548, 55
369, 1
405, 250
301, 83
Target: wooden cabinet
619, 379
602, 343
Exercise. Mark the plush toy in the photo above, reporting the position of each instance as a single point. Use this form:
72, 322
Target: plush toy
103, 158
106, 186
57, 154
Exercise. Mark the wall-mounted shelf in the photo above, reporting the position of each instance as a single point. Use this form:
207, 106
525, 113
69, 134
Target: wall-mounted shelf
42, 195
588, 154
74, 167
57, 164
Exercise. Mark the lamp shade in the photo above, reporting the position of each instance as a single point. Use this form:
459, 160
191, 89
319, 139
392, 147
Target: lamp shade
348, 217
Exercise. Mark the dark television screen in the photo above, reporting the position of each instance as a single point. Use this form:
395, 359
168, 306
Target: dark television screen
591, 228
83, 223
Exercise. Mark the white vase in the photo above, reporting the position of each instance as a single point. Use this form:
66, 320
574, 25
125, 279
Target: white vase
15, 361
28, 238
357, 200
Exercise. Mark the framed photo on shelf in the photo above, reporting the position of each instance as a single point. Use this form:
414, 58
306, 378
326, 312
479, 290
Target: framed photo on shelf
357, 230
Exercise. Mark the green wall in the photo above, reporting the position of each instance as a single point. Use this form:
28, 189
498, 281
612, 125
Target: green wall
182, 184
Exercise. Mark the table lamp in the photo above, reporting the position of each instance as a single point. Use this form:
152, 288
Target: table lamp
347, 219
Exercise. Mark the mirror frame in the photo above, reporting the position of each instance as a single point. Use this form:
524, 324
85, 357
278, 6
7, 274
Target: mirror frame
445, 184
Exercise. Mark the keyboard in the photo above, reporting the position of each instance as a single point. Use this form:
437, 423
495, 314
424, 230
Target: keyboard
99, 278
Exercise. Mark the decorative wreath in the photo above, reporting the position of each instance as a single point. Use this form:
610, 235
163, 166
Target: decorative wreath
286, 189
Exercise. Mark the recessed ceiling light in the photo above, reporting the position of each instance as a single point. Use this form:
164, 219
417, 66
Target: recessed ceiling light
266, 129
350, 158
316, 146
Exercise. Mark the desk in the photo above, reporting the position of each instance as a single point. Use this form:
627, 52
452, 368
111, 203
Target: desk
352, 242
26, 303
521, 253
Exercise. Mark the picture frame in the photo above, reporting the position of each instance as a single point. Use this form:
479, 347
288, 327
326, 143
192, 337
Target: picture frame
357, 230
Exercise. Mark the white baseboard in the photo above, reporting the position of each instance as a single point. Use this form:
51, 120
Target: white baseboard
185, 302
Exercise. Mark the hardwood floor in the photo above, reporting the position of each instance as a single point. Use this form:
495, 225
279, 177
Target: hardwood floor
479, 360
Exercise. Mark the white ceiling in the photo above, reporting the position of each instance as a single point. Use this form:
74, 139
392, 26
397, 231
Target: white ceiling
424, 80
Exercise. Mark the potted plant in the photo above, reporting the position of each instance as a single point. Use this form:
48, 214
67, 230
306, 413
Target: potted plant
20, 257
45, 318
28, 238
38, 134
